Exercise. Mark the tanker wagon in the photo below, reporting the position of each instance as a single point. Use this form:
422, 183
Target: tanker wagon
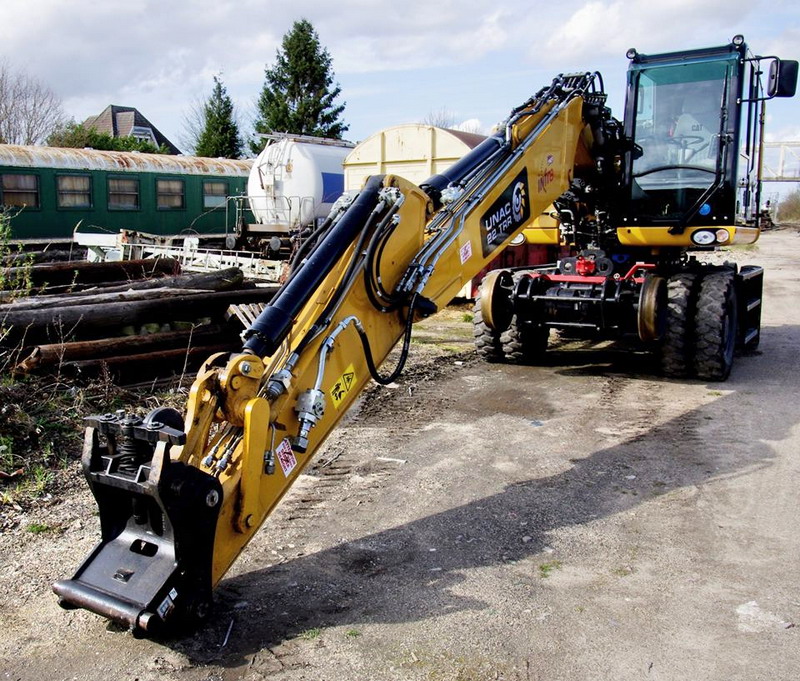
293, 183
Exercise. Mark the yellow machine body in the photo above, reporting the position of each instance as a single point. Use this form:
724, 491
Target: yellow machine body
179, 501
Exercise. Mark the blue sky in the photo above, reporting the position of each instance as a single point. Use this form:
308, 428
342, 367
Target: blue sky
396, 61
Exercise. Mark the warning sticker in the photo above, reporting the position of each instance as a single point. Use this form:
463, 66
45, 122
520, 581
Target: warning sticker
286, 456
465, 252
165, 608
343, 385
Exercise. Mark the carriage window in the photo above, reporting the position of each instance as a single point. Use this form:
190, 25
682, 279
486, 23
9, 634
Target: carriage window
74, 191
170, 194
214, 194
123, 193
19, 190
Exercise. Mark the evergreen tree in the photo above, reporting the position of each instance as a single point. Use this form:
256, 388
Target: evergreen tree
220, 135
298, 96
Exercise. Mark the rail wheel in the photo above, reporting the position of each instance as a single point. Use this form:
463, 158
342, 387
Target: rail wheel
715, 326
676, 347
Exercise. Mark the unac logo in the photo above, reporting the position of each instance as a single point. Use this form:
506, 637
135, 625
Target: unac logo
518, 200
508, 212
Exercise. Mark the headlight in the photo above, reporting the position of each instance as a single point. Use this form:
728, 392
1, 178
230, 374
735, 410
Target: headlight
704, 237
722, 236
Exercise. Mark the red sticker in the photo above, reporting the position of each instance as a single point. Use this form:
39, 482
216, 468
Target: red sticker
286, 456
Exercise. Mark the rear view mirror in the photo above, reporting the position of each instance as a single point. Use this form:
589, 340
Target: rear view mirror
782, 80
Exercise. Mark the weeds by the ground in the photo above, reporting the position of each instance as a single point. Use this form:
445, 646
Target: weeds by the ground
41, 427
14, 281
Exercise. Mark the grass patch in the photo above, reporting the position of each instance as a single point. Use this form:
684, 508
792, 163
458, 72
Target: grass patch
38, 528
546, 569
311, 634
625, 571
41, 429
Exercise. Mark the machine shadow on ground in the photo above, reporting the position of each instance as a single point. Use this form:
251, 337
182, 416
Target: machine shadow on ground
392, 576
629, 358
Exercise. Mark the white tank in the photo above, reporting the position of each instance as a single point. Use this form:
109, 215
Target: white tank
294, 181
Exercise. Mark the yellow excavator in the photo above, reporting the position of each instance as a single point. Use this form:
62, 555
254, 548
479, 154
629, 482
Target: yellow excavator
180, 496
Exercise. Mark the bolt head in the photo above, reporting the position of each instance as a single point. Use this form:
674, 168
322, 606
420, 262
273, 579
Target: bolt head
212, 498
245, 368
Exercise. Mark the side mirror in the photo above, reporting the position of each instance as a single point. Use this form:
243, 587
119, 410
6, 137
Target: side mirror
782, 80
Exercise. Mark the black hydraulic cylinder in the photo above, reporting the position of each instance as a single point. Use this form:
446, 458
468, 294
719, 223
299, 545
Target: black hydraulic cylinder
433, 186
271, 327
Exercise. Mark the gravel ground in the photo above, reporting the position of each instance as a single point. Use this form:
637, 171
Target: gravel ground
585, 519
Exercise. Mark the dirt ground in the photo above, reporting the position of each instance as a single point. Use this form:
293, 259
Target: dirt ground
585, 519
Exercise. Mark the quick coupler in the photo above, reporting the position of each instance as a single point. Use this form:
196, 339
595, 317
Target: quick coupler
152, 567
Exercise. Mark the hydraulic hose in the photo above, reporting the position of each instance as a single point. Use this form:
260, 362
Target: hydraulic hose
308, 242
401, 363
272, 326
346, 281
380, 298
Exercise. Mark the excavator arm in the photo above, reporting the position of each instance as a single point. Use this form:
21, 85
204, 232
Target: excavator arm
180, 497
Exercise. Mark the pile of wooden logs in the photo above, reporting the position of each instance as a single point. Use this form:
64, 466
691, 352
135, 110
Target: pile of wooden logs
136, 320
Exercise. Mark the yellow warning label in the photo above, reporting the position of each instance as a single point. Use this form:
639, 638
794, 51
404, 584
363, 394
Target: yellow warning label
342, 386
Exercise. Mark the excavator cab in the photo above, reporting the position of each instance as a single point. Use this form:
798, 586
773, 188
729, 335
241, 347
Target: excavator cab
694, 117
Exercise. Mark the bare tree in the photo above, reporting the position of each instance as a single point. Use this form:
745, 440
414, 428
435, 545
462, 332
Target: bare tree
442, 118
29, 110
194, 120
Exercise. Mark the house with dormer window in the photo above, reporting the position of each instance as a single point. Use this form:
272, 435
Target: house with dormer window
127, 121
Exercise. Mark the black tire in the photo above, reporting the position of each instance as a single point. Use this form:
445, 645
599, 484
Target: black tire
716, 326
676, 348
487, 341
524, 343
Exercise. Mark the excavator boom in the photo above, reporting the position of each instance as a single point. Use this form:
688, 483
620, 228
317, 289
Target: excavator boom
180, 497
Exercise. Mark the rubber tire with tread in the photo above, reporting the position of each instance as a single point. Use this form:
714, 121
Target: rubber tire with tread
677, 345
487, 340
524, 344
716, 326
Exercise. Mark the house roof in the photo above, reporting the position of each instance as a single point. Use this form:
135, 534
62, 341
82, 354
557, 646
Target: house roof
120, 121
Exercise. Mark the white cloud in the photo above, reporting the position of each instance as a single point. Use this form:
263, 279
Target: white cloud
472, 125
609, 27
424, 45
786, 133
472, 56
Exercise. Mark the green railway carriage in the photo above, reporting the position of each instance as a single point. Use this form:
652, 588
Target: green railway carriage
49, 191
